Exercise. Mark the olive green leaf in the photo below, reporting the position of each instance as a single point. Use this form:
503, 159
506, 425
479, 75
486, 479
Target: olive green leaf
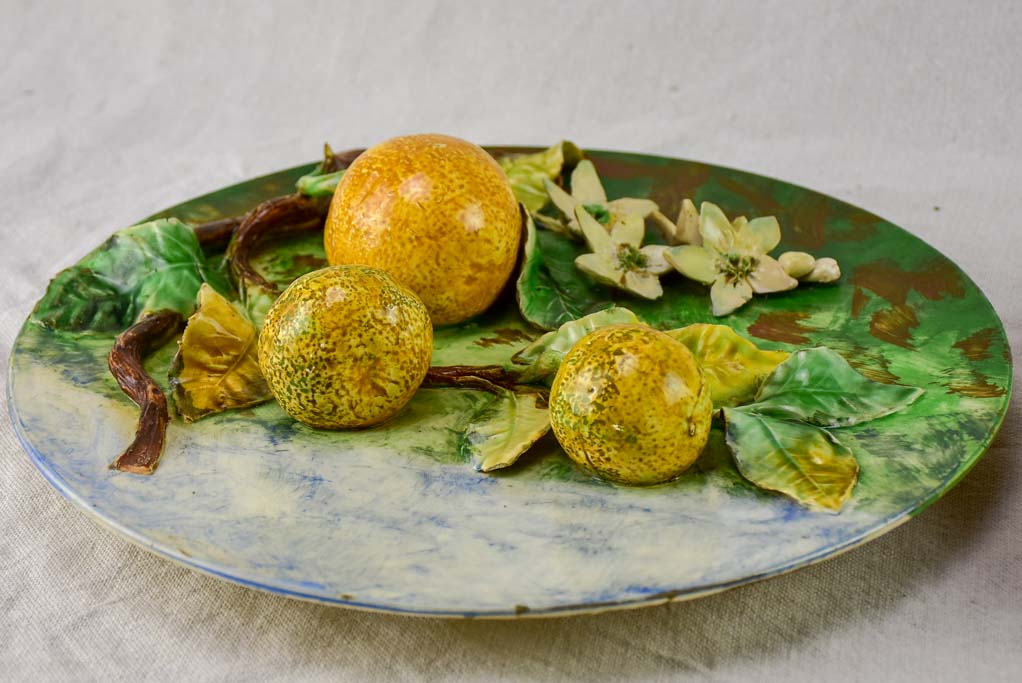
216, 367
543, 356
799, 460
528, 171
819, 386
734, 366
146, 268
504, 428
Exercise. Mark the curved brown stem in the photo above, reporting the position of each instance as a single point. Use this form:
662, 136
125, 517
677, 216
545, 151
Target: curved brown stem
216, 234
490, 378
278, 217
335, 161
125, 361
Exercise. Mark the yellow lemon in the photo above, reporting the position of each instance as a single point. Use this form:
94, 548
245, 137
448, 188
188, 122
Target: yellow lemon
630, 404
435, 212
345, 347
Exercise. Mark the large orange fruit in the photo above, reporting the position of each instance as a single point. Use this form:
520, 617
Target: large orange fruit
435, 212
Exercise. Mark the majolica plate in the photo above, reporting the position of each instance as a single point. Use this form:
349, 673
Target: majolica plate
393, 518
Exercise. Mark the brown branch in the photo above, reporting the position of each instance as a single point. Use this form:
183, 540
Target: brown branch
216, 234
284, 216
337, 161
125, 361
492, 378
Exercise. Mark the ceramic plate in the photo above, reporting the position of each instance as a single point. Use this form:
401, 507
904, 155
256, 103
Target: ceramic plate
393, 518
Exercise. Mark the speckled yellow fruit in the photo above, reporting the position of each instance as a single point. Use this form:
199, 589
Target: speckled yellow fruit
345, 347
630, 404
435, 212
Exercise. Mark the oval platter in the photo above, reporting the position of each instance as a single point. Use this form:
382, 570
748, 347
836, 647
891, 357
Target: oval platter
394, 518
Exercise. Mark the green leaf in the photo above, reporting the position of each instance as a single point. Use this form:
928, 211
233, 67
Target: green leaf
146, 268
734, 366
819, 386
799, 460
527, 172
503, 429
319, 184
216, 367
553, 291
544, 355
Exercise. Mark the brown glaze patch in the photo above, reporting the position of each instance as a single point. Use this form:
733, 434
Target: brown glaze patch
894, 325
859, 301
976, 346
681, 182
504, 335
807, 222
782, 327
980, 387
761, 200
936, 280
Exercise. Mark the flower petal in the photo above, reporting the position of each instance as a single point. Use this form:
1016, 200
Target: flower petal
596, 235
599, 269
695, 263
726, 297
688, 223
586, 187
764, 234
561, 199
715, 228
628, 206
643, 284
629, 230
769, 276
656, 259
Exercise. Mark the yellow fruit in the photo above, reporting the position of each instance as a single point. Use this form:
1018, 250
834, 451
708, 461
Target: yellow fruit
435, 212
345, 347
630, 404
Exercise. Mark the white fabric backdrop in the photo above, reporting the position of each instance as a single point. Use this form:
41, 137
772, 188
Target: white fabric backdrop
109, 111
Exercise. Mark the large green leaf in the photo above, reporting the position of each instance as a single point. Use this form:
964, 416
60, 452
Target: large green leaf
528, 171
819, 386
734, 366
799, 460
146, 268
543, 356
216, 367
503, 429
551, 290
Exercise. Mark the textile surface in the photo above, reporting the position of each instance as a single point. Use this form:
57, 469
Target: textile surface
111, 111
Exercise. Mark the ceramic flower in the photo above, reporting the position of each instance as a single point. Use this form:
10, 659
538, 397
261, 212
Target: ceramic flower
683, 231
733, 258
587, 191
618, 258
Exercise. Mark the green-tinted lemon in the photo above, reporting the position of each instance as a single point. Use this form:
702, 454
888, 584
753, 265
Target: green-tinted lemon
630, 404
345, 347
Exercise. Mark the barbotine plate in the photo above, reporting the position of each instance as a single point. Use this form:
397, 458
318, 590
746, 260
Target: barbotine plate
394, 518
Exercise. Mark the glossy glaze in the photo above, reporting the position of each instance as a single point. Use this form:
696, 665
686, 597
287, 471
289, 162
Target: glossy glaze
435, 212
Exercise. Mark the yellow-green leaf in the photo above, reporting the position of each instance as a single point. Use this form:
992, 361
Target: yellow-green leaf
216, 367
505, 428
734, 366
799, 460
527, 172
